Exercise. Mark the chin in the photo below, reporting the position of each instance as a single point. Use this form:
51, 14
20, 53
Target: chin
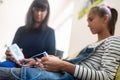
94, 33
38, 21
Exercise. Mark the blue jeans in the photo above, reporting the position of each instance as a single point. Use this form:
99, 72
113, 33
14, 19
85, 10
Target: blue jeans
33, 74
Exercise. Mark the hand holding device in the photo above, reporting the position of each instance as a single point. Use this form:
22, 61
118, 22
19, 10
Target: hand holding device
16, 52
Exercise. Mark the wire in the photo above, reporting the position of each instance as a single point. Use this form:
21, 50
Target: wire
23, 69
14, 74
44, 53
34, 78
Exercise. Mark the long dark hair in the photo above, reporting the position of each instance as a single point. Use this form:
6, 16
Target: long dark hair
111, 12
42, 4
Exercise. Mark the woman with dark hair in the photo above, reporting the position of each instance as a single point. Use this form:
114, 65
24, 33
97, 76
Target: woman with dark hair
35, 37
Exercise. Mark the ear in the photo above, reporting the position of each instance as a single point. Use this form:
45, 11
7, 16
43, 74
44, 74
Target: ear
106, 18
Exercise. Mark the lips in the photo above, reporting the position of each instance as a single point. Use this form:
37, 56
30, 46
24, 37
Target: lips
92, 30
38, 18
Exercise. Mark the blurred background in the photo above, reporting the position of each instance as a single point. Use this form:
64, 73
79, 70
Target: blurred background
67, 17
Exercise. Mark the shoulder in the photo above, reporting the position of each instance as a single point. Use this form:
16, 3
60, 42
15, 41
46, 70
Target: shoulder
21, 28
112, 43
113, 39
50, 29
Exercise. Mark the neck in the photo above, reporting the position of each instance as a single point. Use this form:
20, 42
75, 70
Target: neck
37, 25
103, 35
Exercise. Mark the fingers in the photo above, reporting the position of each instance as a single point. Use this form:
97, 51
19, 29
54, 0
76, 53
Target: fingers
27, 60
46, 58
21, 49
43, 63
8, 53
10, 58
27, 65
39, 63
18, 63
30, 62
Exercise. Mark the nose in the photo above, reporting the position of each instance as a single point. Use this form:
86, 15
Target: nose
88, 24
39, 12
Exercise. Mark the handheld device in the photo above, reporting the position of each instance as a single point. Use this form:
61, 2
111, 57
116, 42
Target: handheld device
16, 52
40, 55
45, 53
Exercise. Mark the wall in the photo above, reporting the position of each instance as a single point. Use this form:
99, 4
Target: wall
12, 16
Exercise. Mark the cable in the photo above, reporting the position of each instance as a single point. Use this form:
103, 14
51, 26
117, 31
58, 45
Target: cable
44, 54
11, 70
34, 78
23, 69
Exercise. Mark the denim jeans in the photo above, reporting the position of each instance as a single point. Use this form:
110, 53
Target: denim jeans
33, 74
5, 73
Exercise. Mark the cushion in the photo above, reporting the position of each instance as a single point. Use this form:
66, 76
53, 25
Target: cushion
117, 77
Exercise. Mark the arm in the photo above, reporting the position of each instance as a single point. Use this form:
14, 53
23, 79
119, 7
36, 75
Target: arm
52, 63
17, 35
67, 67
51, 42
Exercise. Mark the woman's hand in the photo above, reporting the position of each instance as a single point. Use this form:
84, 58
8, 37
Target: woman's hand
32, 62
9, 55
27, 62
51, 63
